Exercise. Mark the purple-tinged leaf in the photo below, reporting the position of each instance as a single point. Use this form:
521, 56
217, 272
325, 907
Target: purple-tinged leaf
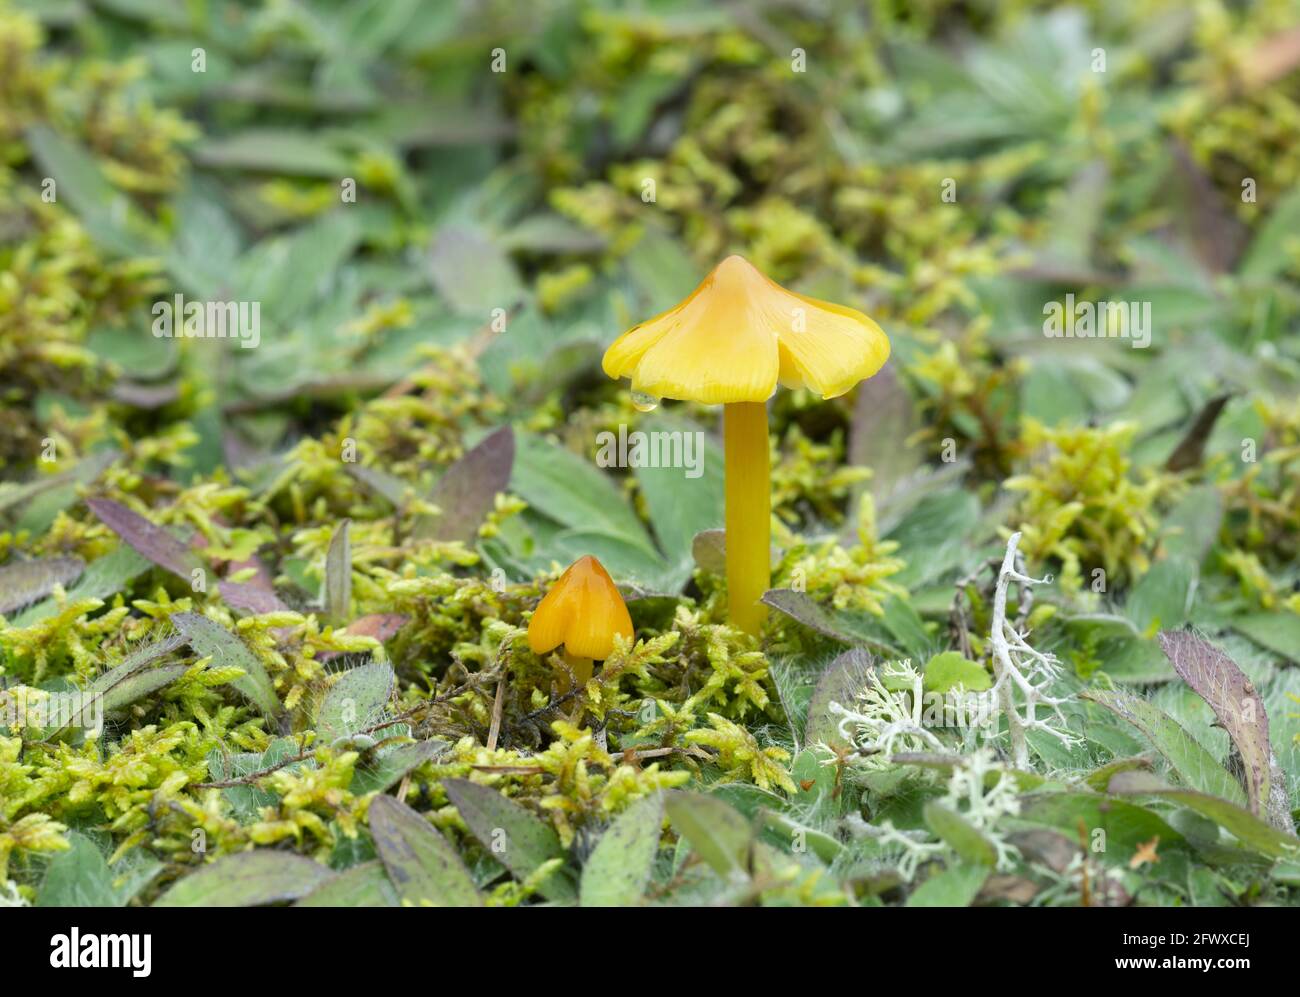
1239, 709
1191, 448
387, 486
145, 538
1211, 229
466, 491
250, 597
145, 396
257, 595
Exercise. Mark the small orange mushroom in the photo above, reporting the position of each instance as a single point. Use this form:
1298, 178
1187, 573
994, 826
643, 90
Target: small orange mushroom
583, 611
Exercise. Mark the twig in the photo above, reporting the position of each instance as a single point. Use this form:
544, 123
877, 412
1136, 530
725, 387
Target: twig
498, 707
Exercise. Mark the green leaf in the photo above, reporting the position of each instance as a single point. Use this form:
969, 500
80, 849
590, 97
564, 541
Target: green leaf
932, 536
247, 798
472, 272
680, 506
960, 835
211, 639
570, 490
550, 233
247, 879
904, 623
364, 885
83, 473
107, 214
880, 437
840, 682
125, 684
848, 627
289, 273
821, 844
1276, 243
392, 763
338, 574
1248, 829
625, 560
513, 836
1162, 597
954, 887
104, 577
1195, 766
945, 671
1125, 824
720, 835
78, 877
423, 866
276, 150
1278, 631
618, 869
355, 701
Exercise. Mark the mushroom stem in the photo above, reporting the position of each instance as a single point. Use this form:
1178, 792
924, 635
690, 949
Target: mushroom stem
749, 513
581, 669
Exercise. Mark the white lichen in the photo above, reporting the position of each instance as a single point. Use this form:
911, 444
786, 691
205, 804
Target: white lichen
883, 721
1019, 669
971, 796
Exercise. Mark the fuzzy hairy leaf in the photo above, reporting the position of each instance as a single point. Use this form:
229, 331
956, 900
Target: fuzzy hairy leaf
1195, 766
423, 867
23, 582
1240, 711
959, 834
354, 701
516, 838
247, 879
717, 833
953, 887
211, 639
618, 870
364, 885
1247, 828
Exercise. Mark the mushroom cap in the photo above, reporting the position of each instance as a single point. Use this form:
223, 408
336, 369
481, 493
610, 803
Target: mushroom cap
738, 334
583, 611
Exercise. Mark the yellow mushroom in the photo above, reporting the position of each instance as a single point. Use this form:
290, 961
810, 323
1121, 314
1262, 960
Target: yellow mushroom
730, 343
583, 611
